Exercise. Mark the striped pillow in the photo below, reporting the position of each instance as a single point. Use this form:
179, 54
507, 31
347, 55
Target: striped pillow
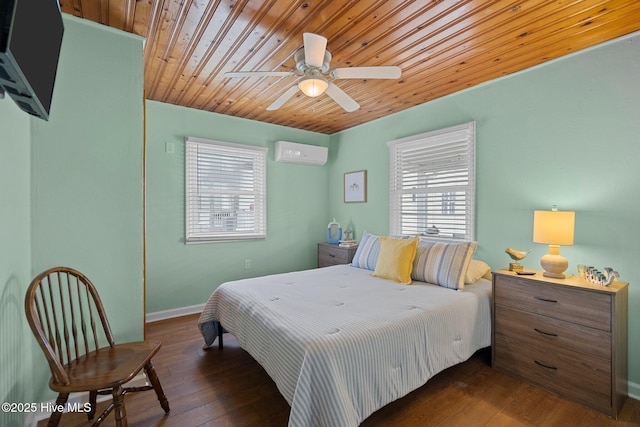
443, 264
367, 253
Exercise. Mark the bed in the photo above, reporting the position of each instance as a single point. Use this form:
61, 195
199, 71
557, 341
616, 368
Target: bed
340, 343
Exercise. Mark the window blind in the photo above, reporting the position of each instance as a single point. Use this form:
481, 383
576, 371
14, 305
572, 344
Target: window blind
432, 183
225, 188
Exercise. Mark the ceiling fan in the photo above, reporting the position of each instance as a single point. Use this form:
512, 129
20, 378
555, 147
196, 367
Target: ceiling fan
315, 76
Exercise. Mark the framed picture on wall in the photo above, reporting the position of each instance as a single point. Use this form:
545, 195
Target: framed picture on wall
355, 187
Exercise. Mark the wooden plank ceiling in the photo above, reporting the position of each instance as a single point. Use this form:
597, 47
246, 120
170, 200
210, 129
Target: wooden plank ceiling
442, 46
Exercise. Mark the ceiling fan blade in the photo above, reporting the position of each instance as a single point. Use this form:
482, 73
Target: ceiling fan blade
234, 74
314, 48
341, 97
283, 98
382, 72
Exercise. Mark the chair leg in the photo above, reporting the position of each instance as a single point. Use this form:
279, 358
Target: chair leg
93, 394
118, 407
220, 332
54, 419
155, 382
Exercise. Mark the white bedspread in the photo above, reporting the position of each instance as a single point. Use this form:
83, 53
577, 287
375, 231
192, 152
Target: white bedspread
340, 344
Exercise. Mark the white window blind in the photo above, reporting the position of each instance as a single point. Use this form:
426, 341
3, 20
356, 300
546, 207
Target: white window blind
432, 185
225, 191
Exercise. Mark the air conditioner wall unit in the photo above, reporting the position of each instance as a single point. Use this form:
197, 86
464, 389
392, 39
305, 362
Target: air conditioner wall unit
292, 152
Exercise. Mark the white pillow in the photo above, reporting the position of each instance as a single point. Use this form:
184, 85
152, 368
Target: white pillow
476, 270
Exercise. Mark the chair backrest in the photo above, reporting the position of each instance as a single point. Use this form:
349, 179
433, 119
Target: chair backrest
66, 316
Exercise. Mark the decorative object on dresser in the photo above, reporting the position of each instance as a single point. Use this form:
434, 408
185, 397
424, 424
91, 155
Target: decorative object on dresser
595, 276
334, 254
553, 228
334, 232
516, 256
348, 235
566, 336
348, 244
355, 186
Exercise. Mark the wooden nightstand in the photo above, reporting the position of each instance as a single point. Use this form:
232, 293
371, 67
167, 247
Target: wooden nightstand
564, 335
332, 254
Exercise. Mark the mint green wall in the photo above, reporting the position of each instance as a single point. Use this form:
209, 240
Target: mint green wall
87, 169
565, 133
15, 260
180, 275
83, 184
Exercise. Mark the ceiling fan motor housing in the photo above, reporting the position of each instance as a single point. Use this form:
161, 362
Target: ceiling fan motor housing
303, 67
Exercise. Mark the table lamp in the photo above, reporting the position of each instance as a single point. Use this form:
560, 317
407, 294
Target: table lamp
553, 228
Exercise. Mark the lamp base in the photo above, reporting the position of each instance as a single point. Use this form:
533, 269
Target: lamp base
554, 265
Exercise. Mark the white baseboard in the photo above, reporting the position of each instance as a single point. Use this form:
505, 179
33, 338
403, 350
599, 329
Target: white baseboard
634, 390
174, 312
76, 400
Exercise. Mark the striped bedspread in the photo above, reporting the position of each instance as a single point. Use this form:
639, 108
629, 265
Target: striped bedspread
340, 344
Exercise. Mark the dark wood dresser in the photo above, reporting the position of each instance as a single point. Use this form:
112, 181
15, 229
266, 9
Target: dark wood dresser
565, 335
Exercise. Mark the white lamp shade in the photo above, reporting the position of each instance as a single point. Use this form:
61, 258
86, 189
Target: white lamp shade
553, 227
313, 87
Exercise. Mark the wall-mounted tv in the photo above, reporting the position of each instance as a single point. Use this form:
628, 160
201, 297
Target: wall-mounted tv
30, 39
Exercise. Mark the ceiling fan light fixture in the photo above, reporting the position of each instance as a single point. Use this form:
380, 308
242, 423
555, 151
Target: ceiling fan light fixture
312, 86
315, 76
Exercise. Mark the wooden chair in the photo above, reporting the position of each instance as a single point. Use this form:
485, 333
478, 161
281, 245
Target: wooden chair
68, 320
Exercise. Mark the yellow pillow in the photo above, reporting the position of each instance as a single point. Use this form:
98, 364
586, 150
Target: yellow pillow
396, 259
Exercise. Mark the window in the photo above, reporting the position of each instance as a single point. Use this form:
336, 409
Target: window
433, 183
225, 191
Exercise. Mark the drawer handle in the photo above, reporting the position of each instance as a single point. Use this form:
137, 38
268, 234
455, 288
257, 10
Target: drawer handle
545, 366
544, 299
332, 255
551, 334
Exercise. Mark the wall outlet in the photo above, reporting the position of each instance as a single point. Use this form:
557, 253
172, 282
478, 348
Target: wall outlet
169, 147
247, 264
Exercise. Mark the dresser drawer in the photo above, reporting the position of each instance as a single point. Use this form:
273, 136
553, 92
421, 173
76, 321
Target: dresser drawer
548, 332
580, 377
331, 257
332, 254
564, 303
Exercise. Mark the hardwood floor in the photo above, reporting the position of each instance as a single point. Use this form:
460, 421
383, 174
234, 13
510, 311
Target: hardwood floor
228, 388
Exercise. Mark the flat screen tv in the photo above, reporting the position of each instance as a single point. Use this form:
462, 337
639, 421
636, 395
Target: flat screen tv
30, 38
